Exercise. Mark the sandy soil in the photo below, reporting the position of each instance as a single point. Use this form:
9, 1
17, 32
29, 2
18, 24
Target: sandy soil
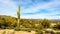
16, 32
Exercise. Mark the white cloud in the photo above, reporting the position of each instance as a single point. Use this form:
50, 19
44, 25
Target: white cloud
38, 6
8, 7
40, 16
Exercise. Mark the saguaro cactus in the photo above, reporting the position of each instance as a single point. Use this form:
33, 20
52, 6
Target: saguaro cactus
18, 15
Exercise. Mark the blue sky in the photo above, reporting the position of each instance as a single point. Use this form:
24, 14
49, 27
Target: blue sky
31, 9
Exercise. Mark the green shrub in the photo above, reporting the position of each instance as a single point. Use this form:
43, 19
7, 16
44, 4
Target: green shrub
28, 30
58, 33
3, 27
17, 29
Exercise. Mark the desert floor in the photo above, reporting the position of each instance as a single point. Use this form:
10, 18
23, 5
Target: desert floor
7, 31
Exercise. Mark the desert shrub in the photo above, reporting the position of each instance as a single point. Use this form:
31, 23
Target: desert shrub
50, 32
17, 29
3, 27
58, 33
7, 22
36, 30
46, 23
54, 27
28, 30
57, 26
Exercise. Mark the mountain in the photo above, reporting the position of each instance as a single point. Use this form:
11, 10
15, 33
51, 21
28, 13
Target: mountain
14, 18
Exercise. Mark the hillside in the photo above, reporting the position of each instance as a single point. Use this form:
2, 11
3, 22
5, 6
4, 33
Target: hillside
37, 25
14, 18
8, 21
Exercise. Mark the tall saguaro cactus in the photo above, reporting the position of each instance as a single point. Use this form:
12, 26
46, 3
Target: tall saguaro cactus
18, 15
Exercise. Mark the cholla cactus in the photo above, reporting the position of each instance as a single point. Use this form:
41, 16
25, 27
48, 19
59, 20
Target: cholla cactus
18, 14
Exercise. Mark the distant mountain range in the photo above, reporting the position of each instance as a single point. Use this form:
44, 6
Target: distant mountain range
54, 20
